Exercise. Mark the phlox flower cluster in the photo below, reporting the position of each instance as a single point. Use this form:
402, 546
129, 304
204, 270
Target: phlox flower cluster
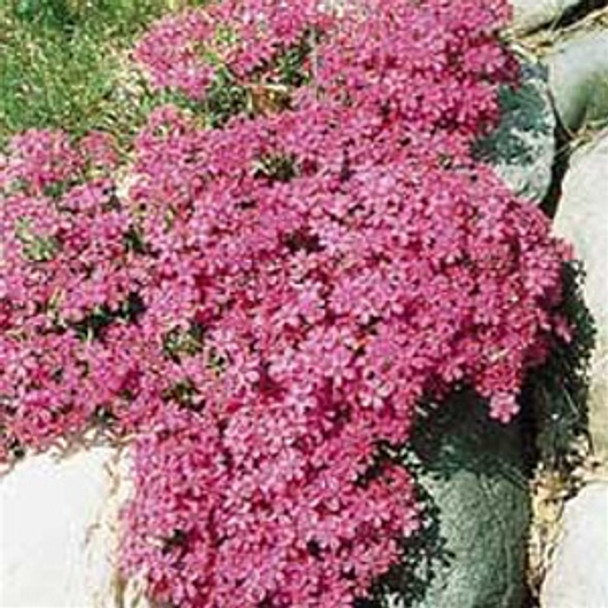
269, 302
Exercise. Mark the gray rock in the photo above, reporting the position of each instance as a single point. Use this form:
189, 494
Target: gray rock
522, 147
578, 78
582, 219
578, 577
485, 519
472, 551
530, 15
59, 532
49, 509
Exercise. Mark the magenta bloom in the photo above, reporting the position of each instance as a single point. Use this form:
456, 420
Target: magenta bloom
269, 302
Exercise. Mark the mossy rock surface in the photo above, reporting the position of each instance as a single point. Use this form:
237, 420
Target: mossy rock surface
522, 147
476, 475
473, 483
484, 519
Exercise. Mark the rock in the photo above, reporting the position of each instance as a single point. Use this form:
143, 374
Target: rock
484, 519
530, 15
474, 489
522, 147
48, 510
578, 577
59, 532
578, 78
582, 219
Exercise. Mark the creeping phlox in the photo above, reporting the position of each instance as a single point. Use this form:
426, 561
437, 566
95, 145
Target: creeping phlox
270, 301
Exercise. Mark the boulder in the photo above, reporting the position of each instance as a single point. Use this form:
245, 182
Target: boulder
578, 78
582, 219
59, 532
522, 147
578, 576
530, 15
473, 485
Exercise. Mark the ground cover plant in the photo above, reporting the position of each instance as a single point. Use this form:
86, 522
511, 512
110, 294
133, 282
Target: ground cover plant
291, 265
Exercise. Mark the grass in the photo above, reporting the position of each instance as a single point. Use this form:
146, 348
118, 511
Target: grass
64, 64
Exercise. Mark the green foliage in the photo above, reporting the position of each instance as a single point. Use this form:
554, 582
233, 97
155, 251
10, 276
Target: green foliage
290, 65
101, 317
179, 342
275, 167
64, 64
558, 392
226, 98
57, 13
36, 248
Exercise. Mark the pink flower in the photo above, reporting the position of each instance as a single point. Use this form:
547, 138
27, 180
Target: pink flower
270, 301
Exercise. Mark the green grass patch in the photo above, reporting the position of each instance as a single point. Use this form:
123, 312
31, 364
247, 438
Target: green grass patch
64, 64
